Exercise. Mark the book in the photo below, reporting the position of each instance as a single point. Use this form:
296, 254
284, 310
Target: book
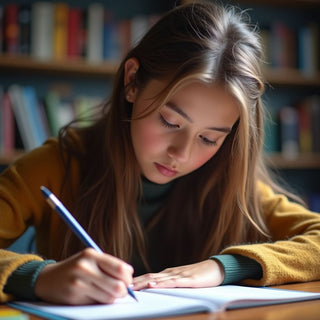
59, 111
283, 46
111, 48
315, 122
42, 18
305, 126
170, 302
60, 30
95, 33
24, 20
34, 117
1, 29
309, 49
271, 132
74, 30
289, 131
11, 29
20, 113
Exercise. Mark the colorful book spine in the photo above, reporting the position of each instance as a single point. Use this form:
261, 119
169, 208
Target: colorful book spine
289, 132
21, 116
11, 29
95, 33
60, 31
24, 19
308, 49
74, 33
110, 37
282, 46
1, 29
34, 117
305, 127
42, 30
315, 111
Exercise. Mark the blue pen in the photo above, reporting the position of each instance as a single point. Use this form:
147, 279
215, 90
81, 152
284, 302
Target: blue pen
68, 218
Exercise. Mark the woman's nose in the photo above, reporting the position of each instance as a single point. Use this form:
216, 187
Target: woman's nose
180, 147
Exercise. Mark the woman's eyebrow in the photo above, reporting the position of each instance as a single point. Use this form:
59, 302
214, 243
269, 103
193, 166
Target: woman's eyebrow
175, 108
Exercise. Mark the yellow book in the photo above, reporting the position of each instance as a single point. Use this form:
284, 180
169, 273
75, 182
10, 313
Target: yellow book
60, 31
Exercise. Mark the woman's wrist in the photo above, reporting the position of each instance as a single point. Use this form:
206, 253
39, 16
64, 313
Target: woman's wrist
21, 282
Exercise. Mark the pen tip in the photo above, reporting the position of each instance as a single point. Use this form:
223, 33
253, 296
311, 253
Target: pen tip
45, 191
132, 294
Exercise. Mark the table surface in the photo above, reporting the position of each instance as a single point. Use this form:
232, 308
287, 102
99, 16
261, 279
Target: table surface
306, 310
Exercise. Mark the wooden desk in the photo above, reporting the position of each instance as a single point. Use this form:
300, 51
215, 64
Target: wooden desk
308, 310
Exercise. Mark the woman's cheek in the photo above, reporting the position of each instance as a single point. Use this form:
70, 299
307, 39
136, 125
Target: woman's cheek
149, 137
202, 158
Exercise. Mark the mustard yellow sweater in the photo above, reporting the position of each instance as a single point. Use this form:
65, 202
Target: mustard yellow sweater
292, 256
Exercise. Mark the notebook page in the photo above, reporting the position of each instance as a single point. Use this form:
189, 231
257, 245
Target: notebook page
148, 306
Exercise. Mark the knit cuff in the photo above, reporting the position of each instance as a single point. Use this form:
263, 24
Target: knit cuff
21, 282
238, 268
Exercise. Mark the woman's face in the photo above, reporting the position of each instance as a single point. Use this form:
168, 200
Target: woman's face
182, 135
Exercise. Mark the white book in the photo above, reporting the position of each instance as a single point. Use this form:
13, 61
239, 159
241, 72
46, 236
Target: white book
42, 30
95, 33
170, 302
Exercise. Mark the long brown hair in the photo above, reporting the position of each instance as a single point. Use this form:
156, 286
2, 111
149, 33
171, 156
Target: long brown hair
218, 204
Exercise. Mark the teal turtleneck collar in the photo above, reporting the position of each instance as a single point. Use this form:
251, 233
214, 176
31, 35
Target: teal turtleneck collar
153, 196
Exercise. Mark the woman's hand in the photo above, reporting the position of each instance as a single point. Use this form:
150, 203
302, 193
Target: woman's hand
85, 278
208, 273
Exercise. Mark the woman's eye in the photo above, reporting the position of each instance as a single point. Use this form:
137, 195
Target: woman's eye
208, 141
166, 123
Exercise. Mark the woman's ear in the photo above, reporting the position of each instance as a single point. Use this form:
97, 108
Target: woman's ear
131, 66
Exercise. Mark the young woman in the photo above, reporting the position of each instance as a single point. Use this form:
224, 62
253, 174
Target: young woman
169, 180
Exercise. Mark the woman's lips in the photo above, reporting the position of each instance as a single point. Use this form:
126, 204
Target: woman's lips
168, 172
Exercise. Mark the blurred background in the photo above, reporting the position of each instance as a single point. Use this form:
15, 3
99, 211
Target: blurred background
58, 59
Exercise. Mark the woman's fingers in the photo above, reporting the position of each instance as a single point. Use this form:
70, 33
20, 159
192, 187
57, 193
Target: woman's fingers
207, 273
87, 277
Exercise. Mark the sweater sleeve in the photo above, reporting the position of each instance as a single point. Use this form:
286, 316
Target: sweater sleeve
9, 263
23, 205
237, 268
21, 282
293, 252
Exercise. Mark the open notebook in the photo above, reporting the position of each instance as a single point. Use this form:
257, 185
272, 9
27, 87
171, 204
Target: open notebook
169, 302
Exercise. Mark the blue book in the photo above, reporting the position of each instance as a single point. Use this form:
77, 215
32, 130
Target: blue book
34, 115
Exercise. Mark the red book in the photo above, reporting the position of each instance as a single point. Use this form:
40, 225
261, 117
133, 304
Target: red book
11, 29
74, 33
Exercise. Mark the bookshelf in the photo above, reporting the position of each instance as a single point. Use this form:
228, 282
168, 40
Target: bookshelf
75, 67
80, 67
285, 84
291, 77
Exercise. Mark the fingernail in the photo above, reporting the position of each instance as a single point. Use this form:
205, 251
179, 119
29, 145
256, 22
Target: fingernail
152, 284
